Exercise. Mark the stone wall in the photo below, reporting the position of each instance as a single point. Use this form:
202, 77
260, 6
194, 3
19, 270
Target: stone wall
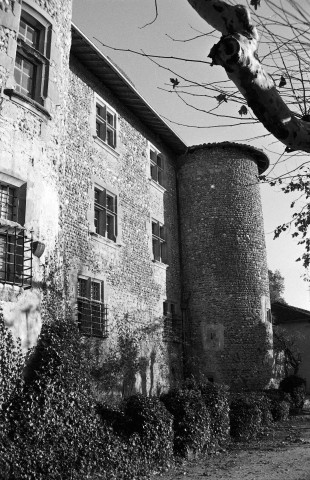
32, 151
224, 265
135, 286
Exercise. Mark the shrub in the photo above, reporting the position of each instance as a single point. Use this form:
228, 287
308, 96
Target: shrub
249, 412
216, 398
11, 362
296, 387
279, 404
192, 429
148, 418
144, 427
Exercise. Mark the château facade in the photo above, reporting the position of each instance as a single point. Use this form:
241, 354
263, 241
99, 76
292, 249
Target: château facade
106, 212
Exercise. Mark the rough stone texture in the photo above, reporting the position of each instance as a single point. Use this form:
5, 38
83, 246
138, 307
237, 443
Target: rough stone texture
32, 148
134, 284
224, 266
223, 255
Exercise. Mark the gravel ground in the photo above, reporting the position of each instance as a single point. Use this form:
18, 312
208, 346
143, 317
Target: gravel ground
282, 454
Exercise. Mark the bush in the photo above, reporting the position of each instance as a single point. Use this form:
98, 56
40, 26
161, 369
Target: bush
249, 412
49, 426
148, 418
143, 427
11, 362
279, 404
296, 387
216, 398
192, 425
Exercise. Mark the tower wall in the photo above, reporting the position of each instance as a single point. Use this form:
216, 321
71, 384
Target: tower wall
225, 277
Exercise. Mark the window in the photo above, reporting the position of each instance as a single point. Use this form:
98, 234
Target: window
157, 167
105, 213
158, 241
106, 124
92, 312
15, 247
172, 323
31, 62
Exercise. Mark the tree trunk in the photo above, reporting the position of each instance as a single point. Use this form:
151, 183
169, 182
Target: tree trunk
237, 53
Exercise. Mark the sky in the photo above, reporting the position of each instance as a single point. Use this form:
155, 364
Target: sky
120, 24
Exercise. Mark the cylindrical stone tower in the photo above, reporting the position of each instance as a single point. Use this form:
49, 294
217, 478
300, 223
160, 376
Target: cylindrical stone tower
228, 334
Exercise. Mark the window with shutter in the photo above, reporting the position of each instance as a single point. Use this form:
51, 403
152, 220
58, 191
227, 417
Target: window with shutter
32, 55
15, 247
159, 245
157, 167
106, 123
105, 213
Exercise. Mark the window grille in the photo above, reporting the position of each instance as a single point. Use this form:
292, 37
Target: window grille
92, 312
15, 257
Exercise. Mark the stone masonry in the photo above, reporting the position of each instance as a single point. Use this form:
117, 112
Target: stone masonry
212, 274
224, 264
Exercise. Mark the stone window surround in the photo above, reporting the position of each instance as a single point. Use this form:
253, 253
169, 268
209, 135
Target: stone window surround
91, 211
160, 242
15, 227
34, 10
158, 185
98, 100
86, 274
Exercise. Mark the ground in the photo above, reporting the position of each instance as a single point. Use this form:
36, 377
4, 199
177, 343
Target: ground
283, 453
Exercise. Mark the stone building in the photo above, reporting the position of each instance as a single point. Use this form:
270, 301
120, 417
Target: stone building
104, 211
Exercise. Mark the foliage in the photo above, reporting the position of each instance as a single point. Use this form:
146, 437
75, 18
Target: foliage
249, 413
288, 344
279, 404
191, 421
49, 424
116, 373
144, 427
152, 422
216, 398
296, 387
276, 286
11, 362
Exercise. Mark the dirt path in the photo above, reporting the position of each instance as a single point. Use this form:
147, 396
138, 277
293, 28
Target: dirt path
284, 454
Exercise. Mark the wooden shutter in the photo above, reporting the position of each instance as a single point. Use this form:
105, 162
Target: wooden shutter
21, 204
115, 219
103, 212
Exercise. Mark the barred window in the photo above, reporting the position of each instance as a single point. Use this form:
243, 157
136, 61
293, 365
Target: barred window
159, 246
105, 213
157, 167
106, 124
15, 246
92, 312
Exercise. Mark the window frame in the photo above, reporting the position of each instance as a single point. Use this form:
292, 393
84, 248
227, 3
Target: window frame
86, 323
159, 241
105, 218
37, 55
102, 110
157, 166
15, 246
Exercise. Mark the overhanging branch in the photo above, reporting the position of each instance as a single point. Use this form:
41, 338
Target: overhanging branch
236, 52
